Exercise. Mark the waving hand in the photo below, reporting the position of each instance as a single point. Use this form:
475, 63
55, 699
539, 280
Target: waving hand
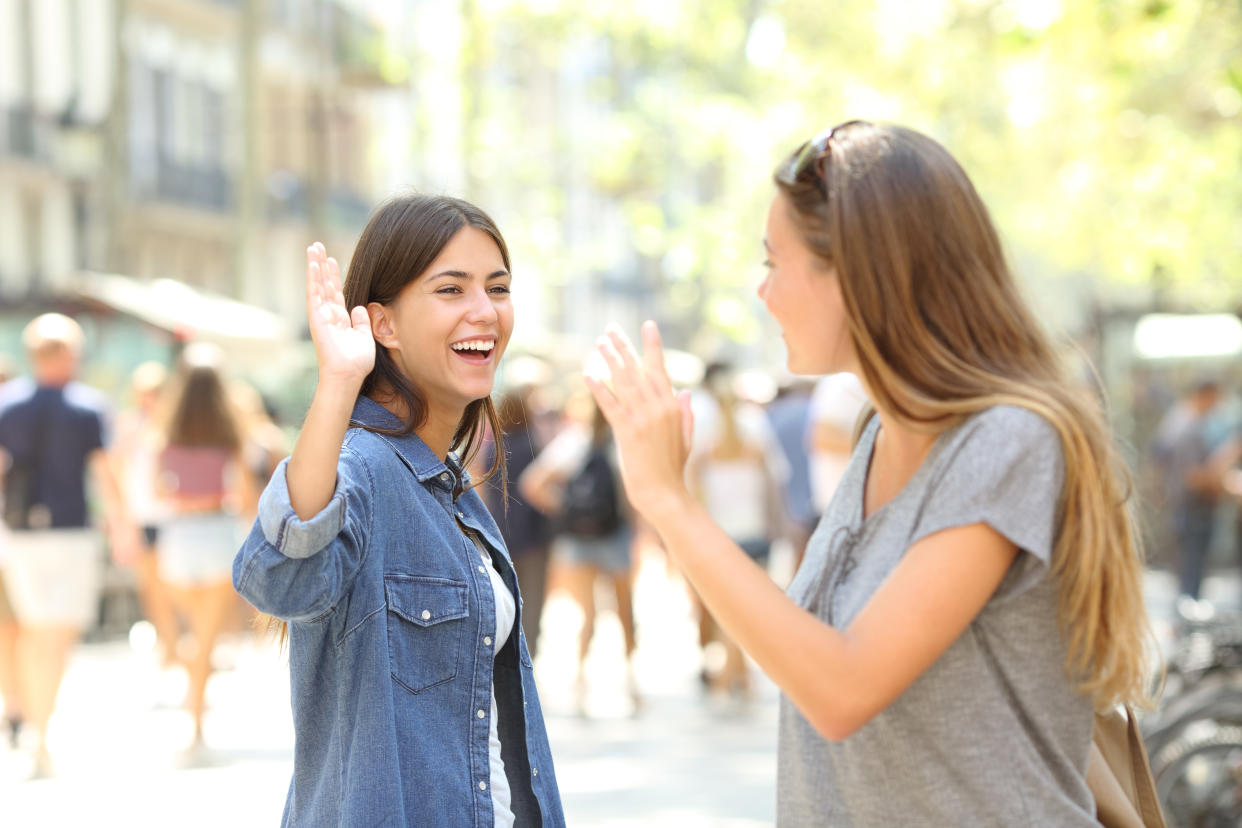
344, 345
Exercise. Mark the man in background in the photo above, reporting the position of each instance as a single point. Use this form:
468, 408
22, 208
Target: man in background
52, 433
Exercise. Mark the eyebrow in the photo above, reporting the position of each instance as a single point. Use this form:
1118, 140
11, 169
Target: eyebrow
461, 274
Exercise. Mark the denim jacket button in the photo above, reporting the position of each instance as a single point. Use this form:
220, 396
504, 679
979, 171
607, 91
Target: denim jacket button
483, 569
426, 614
444, 476
480, 714
487, 640
482, 786
534, 771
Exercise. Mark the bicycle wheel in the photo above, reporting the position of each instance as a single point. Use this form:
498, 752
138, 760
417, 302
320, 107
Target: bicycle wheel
1199, 778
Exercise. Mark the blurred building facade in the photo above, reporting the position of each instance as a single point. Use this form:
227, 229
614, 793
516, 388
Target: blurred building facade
205, 141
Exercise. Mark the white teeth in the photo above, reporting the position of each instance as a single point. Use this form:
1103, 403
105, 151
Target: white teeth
473, 345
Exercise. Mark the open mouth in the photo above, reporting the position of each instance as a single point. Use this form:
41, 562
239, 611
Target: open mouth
474, 350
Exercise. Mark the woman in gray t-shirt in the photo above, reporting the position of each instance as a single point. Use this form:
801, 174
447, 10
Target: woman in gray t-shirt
973, 591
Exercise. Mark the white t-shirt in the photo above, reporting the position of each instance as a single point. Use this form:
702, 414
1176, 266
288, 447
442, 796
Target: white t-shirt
837, 401
506, 612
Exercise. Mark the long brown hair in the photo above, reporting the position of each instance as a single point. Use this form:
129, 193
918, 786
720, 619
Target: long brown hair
401, 240
202, 415
941, 331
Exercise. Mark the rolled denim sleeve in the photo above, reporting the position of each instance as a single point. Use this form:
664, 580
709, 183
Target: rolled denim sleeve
284, 530
298, 569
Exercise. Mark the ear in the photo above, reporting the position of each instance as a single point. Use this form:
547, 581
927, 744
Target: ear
381, 325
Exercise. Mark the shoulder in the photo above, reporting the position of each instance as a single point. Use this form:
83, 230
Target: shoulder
1005, 436
15, 392
1010, 423
85, 399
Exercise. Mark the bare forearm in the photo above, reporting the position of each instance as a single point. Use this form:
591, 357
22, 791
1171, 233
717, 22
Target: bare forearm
311, 474
800, 653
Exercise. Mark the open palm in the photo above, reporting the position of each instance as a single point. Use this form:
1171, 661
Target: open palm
344, 345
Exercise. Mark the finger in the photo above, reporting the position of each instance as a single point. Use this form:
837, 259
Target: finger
607, 401
687, 419
623, 380
625, 348
653, 357
313, 287
334, 275
359, 319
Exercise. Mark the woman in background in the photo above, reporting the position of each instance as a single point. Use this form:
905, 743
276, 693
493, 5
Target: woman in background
202, 477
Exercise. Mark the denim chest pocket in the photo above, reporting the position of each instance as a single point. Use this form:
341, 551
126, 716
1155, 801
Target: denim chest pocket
426, 621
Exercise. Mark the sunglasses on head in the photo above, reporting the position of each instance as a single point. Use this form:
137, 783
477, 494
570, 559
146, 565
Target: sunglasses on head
810, 156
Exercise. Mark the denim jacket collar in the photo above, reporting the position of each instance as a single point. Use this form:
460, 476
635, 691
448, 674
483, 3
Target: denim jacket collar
414, 453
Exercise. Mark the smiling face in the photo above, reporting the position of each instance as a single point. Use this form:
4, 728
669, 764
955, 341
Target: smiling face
447, 329
804, 297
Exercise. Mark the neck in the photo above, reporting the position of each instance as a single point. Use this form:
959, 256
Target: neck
438, 427
900, 446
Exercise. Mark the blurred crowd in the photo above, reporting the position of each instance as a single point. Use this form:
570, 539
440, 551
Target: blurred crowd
156, 495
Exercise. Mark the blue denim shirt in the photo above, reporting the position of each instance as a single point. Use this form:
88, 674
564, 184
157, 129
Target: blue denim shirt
391, 615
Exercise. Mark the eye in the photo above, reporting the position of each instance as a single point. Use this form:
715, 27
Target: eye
499, 290
767, 263
449, 290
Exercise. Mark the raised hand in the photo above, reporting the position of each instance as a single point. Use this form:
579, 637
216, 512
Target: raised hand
344, 345
651, 425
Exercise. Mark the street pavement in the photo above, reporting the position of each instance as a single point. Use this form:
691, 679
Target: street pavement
119, 737
684, 759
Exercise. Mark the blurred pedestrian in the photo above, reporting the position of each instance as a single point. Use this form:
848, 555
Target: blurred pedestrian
264, 442
527, 532
203, 476
135, 452
836, 403
52, 431
737, 478
973, 593
414, 701
1193, 478
790, 416
12, 711
575, 480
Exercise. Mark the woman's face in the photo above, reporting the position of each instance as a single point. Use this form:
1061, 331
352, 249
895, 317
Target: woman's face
447, 329
804, 297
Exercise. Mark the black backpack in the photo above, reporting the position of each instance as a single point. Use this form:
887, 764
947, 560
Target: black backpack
591, 507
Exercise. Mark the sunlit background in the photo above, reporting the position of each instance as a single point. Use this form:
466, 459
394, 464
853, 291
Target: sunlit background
164, 163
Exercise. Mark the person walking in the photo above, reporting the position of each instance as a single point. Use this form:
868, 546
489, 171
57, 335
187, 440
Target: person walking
527, 532
413, 695
135, 455
575, 480
53, 434
203, 477
973, 592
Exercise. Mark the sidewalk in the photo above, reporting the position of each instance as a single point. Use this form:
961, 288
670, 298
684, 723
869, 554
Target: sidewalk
119, 734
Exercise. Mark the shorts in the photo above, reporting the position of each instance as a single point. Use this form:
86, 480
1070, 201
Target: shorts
6, 608
198, 549
610, 554
53, 577
758, 550
150, 536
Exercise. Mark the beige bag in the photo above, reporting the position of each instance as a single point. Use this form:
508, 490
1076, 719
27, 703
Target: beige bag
1119, 775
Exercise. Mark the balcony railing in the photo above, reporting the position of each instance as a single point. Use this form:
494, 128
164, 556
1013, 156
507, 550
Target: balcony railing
194, 185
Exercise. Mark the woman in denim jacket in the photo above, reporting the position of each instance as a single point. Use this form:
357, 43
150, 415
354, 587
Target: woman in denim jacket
413, 699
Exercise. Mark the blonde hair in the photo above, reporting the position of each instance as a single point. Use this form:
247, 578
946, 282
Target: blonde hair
941, 332
51, 331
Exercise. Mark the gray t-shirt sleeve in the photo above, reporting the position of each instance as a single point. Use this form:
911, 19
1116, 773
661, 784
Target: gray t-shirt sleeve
1006, 468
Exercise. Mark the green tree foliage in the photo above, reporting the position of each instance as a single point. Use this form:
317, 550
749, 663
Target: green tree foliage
1105, 134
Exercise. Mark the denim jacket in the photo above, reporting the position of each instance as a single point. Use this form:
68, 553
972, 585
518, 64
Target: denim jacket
391, 615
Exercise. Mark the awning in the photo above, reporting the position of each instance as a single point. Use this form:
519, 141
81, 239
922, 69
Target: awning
186, 312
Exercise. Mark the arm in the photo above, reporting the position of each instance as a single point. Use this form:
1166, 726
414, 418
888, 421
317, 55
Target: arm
838, 679
279, 569
122, 533
345, 350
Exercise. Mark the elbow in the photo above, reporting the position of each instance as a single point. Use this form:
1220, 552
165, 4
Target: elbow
835, 728
838, 719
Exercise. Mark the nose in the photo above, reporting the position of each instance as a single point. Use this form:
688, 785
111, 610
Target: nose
762, 290
482, 309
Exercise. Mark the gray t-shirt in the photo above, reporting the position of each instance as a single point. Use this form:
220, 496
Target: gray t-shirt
993, 733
